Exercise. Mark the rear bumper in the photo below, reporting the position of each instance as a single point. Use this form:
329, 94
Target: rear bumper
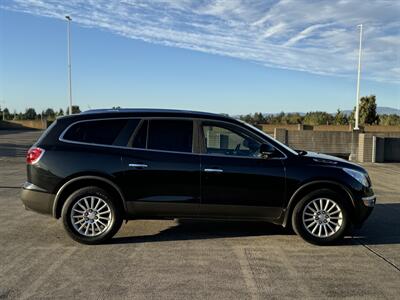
36, 199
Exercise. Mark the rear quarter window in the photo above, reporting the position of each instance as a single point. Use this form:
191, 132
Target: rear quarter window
103, 132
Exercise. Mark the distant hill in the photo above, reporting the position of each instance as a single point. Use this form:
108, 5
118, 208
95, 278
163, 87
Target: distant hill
381, 110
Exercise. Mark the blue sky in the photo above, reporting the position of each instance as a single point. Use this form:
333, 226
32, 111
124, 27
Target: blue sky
227, 56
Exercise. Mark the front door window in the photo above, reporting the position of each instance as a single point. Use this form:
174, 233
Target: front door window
223, 141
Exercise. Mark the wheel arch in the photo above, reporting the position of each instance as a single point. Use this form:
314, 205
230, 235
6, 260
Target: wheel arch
313, 186
86, 180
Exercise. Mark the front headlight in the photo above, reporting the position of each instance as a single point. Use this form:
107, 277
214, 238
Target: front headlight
359, 176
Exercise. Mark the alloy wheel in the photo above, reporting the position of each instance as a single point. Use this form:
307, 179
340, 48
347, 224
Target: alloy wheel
322, 217
91, 216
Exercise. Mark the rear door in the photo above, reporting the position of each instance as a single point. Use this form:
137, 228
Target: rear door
161, 169
88, 147
236, 181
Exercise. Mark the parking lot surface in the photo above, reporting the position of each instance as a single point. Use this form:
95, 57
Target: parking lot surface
186, 259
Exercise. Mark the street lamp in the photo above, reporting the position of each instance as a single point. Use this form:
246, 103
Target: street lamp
69, 19
358, 81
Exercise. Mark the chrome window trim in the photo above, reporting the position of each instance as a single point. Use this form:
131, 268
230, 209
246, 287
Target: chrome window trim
238, 156
61, 137
286, 147
249, 133
124, 147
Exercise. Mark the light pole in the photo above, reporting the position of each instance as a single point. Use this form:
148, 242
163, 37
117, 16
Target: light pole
69, 19
357, 115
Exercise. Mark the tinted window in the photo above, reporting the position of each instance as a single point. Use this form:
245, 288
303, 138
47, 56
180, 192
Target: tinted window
97, 132
126, 132
141, 136
171, 135
220, 140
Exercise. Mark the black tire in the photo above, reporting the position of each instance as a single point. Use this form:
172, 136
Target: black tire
303, 209
113, 224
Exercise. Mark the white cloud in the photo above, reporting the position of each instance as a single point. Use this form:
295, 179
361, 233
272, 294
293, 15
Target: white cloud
314, 36
274, 29
308, 32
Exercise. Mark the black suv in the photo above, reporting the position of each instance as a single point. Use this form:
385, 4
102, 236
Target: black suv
101, 167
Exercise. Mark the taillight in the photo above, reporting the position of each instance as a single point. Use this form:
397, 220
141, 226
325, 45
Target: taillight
34, 154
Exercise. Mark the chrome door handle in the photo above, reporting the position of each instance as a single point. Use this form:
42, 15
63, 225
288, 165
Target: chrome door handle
213, 170
138, 165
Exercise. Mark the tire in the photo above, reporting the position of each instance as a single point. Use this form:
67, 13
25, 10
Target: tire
90, 216
325, 225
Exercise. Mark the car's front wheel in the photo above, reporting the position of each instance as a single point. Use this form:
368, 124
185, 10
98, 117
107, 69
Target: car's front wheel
321, 217
90, 216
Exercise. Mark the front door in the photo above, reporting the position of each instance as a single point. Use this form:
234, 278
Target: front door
236, 180
162, 174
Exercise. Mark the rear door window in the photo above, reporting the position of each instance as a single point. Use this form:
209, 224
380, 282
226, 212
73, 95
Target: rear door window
140, 138
103, 132
170, 135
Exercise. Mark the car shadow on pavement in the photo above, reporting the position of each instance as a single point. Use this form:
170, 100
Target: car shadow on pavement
382, 227
13, 150
190, 229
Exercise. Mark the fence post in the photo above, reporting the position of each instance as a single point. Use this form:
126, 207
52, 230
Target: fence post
354, 155
281, 135
374, 149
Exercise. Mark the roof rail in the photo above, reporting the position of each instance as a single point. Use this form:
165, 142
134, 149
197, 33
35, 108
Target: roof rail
100, 110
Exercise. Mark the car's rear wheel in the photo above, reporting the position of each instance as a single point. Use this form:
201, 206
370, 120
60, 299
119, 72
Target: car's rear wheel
90, 216
321, 217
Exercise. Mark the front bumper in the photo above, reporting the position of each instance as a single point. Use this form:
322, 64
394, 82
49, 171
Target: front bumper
364, 208
36, 199
369, 201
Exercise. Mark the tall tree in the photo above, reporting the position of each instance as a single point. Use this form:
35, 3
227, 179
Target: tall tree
49, 113
292, 118
30, 114
318, 118
75, 109
367, 112
6, 113
278, 119
341, 118
3, 113
259, 118
247, 118
393, 120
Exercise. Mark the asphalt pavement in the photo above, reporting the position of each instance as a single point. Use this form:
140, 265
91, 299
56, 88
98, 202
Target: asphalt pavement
185, 259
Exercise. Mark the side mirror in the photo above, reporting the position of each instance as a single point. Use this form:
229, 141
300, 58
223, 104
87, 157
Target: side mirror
266, 150
251, 144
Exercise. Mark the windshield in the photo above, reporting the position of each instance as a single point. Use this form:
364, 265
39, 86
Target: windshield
267, 135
